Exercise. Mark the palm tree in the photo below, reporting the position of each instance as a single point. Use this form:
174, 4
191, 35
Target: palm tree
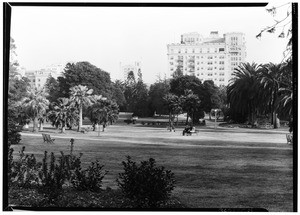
174, 106
103, 111
244, 90
190, 103
286, 88
271, 76
81, 96
63, 114
36, 105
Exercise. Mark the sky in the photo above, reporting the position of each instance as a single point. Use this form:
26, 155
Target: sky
106, 36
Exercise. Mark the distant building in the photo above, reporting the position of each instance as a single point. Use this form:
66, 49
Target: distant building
135, 67
212, 58
39, 77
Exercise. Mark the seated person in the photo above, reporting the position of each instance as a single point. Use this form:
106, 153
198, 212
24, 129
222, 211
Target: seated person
187, 130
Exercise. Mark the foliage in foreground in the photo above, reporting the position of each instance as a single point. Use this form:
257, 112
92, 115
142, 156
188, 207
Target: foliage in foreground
146, 185
62, 182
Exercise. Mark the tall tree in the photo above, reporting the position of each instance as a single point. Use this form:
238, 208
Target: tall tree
178, 72
118, 89
81, 96
173, 104
103, 111
52, 89
36, 105
129, 91
271, 76
85, 74
156, 94
190, 103
63, 114
244, 91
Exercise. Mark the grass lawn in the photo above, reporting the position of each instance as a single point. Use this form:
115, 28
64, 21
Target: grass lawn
226, 167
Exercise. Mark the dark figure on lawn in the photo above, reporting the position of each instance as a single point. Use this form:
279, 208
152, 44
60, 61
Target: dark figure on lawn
187, 130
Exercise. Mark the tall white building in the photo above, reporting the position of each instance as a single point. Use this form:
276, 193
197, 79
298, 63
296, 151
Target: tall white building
212, 58
135, 67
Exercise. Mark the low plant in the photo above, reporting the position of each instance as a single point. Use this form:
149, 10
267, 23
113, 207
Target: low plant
146, 185
89, 179
25, 171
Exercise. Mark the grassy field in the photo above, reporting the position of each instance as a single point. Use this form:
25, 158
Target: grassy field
226, 167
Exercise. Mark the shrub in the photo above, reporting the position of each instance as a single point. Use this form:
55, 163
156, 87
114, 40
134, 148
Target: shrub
89, 179
25, 171
13, 135
146, 185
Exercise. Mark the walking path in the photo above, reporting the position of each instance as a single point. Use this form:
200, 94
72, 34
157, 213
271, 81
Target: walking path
207, 137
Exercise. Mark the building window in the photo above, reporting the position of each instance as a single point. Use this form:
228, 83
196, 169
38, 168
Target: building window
221, 62
171, 63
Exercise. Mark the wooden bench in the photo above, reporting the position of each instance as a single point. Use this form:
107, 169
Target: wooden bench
47, 138
289, 138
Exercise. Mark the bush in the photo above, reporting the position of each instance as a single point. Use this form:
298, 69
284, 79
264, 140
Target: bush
146, 185
24, 172
89, 179
13, 135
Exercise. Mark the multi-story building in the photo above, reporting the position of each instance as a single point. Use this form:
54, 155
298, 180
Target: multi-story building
39, 77
135, 67
212, 58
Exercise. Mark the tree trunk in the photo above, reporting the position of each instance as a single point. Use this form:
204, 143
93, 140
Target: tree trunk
41, 125
187, 119
274, 119
170, 126
34, 124
209, 115
63, 129
80, 118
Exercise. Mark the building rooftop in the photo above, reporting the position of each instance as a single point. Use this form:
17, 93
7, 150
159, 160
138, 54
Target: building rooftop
221, 40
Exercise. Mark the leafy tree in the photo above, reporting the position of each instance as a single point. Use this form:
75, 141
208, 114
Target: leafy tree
36, 105
140, 100
244, 92
180, 84
156, 97
284, 25
173, 104
63, 114
118, 89
85, 74
129, 91
209, 97
52, 89
13, 63
80, 96
178, 72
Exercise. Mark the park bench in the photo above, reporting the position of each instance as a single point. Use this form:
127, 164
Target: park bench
289, 138
47, 138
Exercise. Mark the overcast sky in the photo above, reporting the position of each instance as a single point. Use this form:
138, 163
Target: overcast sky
107, 36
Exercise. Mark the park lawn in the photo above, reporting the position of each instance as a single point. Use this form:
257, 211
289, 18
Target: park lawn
210, 171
